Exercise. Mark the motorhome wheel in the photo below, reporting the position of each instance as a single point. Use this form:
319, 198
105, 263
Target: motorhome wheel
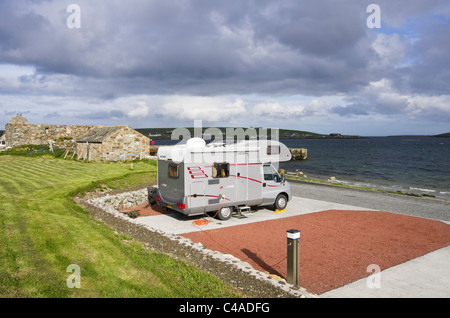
224, 213
281, 202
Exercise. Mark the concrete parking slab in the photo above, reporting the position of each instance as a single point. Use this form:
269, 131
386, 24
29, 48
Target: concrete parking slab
176, 223
427, 276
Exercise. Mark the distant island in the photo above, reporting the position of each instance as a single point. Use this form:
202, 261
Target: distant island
440, 135
166, 133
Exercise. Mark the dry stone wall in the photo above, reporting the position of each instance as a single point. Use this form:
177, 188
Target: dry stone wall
118, 202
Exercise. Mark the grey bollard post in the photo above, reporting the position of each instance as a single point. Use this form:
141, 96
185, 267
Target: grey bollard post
293, 256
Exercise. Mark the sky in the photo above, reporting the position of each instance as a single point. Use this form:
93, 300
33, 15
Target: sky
322, 66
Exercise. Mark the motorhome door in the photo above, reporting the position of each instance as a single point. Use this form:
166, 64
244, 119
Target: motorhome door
272, 184
241, 182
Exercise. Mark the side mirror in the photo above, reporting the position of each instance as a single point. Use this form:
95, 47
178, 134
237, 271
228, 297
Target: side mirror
279, 178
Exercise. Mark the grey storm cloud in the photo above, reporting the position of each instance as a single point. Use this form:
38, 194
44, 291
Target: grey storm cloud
102, 115
198, 47
204, 46
432, 73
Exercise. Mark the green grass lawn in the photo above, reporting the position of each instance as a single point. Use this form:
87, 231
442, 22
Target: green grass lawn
43, 231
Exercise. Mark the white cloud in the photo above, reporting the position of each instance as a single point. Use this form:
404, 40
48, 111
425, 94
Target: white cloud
433, 107
10, 76
291, 110
382, 98
139, 110
208, 109
387, 98
391, 50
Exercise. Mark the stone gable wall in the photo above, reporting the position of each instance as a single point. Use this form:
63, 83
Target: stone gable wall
126, 141
20, 132
123, 142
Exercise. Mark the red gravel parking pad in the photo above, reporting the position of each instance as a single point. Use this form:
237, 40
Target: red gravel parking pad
336, 247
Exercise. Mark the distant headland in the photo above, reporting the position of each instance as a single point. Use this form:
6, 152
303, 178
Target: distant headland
165, 133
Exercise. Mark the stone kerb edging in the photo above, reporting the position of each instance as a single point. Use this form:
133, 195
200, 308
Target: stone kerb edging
228, 267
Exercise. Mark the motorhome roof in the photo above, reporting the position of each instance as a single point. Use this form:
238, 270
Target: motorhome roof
177, 153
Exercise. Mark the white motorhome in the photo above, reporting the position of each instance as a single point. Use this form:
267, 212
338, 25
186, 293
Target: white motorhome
195, 178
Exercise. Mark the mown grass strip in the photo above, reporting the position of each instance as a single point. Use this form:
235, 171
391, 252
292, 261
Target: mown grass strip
43, 231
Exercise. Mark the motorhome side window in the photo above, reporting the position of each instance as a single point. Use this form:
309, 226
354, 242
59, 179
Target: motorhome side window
273, 150
173, 171
221, 170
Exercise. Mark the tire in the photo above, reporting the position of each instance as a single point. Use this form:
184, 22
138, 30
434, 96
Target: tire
225, 213
281, 202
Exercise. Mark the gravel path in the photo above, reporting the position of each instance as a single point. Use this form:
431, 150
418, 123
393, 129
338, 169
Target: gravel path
424, 207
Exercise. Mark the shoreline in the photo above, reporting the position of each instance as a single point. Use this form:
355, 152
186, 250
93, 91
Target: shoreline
419, 206
348, 185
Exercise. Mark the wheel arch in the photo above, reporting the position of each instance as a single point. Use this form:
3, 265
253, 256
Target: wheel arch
285, 193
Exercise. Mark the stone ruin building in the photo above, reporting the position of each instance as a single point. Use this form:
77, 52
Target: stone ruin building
112, 144
89, 142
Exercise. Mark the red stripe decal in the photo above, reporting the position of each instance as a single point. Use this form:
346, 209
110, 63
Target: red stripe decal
245, 178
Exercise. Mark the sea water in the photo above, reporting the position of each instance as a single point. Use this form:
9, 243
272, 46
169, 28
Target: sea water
416, 165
